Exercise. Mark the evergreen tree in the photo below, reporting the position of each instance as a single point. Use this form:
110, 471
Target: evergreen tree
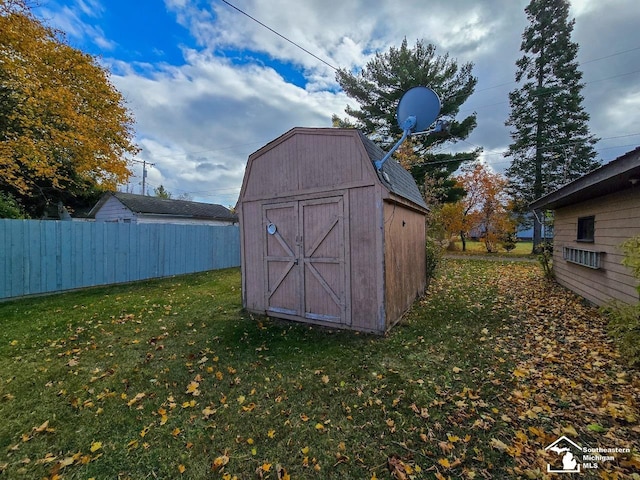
551, 143
379, 87
162, 192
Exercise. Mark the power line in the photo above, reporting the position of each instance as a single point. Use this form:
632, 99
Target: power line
614, 54
280, 35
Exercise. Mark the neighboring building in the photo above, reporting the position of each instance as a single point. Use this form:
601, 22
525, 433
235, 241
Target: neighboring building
524, 233
593, 216
325, 237
131, 208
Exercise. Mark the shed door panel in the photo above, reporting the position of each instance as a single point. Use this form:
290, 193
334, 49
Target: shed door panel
281, 259
305, 259
323, 257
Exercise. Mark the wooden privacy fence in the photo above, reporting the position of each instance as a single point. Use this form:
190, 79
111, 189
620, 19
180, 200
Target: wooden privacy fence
40, 256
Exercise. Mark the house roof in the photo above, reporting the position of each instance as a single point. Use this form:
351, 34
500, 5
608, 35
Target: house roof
397, 179
615, 176
161, 206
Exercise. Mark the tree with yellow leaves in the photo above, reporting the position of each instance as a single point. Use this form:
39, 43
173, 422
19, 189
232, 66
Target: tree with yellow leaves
483, 208
64, 129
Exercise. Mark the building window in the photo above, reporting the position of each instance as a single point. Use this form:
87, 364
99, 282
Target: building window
586, 229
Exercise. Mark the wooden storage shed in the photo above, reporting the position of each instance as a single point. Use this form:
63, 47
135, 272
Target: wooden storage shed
325, 237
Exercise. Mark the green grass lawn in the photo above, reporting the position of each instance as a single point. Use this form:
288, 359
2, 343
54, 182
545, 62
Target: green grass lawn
474, 247
171, 379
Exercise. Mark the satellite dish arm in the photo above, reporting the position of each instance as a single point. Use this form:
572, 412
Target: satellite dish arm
408, 125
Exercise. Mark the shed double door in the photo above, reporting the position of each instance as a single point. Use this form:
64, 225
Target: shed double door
305, 263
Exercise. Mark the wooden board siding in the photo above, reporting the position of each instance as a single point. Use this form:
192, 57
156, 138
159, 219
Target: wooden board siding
307, 162
617, 218
251, 244
114, 210
365, 237
44, 256
404, 259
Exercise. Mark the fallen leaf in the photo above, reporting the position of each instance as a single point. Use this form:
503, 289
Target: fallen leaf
594, 427
192, 389
498, 444
42, 427
136, 399
220, 462
208, 411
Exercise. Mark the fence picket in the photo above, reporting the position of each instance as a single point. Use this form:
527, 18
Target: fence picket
43, 256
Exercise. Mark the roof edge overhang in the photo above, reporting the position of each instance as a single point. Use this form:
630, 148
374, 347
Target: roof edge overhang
615, 176
400, 200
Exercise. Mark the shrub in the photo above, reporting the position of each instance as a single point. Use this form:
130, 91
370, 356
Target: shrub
509, 241
624, 320
434, 256
624, 328
545, 258
10, 207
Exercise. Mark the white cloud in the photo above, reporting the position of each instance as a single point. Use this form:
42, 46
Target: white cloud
199, 121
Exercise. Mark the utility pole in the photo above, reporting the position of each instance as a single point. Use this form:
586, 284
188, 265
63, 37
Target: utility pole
144, 173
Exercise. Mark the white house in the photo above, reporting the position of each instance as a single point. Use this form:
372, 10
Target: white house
131, 208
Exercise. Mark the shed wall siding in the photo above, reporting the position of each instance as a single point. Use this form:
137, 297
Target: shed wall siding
113, 211
617, 218
307, 163
252, 247
365, 243
404, 259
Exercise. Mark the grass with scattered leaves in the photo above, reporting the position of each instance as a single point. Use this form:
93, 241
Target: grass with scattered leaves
475, 247
171, 379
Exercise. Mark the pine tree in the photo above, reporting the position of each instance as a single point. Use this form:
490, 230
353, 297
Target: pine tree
551, 143
378, 89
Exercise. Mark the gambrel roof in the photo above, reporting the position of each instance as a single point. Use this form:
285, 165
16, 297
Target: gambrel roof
398, 180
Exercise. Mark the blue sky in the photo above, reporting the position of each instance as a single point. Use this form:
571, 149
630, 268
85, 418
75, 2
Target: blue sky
208, 86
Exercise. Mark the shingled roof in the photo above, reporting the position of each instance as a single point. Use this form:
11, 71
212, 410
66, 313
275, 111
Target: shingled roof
619, 174
397, 179
143, 204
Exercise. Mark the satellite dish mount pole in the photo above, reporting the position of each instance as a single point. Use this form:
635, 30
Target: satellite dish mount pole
409, 125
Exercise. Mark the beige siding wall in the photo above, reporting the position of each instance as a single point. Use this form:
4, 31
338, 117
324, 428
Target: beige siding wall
404, 259
617, 218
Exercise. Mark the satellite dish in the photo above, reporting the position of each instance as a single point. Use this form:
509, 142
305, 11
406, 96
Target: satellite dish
421, 103
417, 110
